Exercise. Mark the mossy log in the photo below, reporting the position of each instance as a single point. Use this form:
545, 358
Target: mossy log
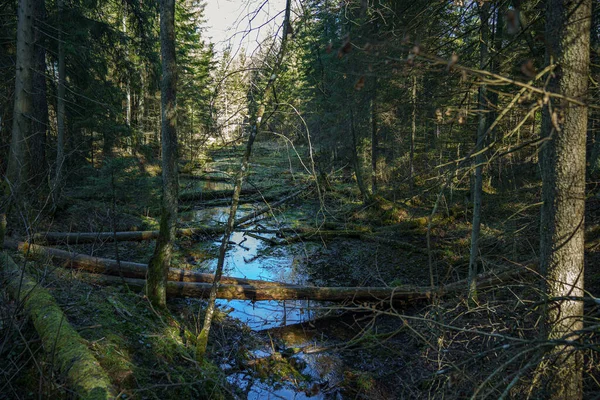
71, 355
283, 292
126, 269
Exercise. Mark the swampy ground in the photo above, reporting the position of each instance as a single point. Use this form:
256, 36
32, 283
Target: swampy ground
430, 349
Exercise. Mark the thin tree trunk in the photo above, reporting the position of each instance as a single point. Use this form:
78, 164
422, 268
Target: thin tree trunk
256, 121
60, 110
142, 108
16, 172
374, 139
191, 134
356, 161
161, 259
413, 133
563, 192
482, 128
37, 143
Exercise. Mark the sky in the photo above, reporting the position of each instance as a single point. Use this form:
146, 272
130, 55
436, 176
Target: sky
244, 23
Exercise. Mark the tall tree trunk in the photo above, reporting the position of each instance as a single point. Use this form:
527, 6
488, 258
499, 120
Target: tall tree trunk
356, 160
37, 142
413, 133
141, 109
594, 153
161, 259
563, 190
60, 109
256, 109
16, 172
374, 139
482, 127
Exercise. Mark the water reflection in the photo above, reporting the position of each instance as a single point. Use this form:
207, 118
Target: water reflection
252, 258
244, 259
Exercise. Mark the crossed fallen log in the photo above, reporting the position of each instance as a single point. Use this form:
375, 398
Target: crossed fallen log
185, 283
92, 237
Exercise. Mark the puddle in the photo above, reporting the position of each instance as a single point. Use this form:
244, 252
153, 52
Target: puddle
317, 374
246, 259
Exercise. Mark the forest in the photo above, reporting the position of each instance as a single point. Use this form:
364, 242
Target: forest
375, 199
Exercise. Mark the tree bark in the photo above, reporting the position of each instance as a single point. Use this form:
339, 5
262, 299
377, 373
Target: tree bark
16, 172
161, 259
71, 355
374, 139
356, 160
37, 143
482, 127
60, 109
563, 190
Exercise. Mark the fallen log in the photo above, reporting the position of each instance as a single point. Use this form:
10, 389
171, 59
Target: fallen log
92, 237
125, 269
185, 283
334, 294
70, 353
284, 292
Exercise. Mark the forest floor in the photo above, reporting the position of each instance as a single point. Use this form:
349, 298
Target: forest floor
443, 348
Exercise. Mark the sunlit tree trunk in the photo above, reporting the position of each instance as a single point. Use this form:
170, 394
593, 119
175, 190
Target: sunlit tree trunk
161, 259
563, 191
141, 109
60, 110
16, 173
594, 130
37, 142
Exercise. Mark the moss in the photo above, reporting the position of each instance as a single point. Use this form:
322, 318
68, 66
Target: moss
68, 350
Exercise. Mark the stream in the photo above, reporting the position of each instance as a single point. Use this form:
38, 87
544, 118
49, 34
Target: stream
253, 258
